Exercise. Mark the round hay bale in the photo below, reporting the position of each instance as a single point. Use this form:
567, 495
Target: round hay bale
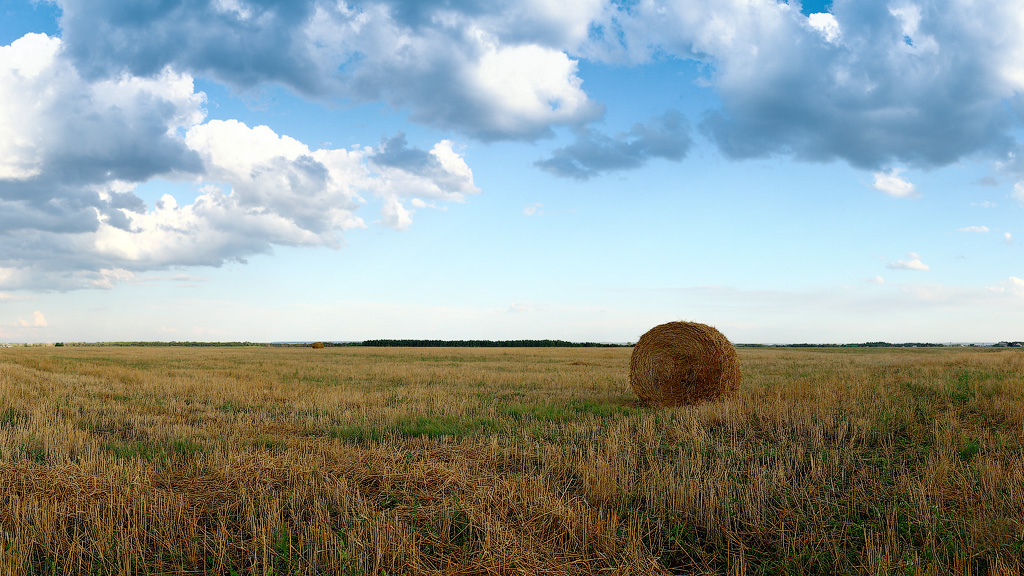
318, 345
683, 363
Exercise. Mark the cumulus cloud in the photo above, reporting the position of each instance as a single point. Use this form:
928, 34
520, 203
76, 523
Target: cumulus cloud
395, 215
499, 72
267, 189
413, 174
875, 280
890, 183
873, 83
37, 321
439, 173
74, 149
68, 144
593, 153
236, 40
973, 229
286, 192
912, 263
826, 25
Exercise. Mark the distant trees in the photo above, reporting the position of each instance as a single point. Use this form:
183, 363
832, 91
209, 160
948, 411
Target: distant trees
188, 344
861, 345
488, 344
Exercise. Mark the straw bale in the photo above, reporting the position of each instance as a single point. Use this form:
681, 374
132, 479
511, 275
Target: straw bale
318, 345
683, 363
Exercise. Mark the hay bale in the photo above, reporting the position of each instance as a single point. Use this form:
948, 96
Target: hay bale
318, 345
683, 363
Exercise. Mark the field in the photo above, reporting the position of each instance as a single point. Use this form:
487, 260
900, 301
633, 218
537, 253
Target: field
377, 461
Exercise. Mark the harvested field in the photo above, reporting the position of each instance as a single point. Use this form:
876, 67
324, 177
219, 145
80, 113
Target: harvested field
506, 461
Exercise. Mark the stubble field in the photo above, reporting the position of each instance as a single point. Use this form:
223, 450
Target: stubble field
377, 461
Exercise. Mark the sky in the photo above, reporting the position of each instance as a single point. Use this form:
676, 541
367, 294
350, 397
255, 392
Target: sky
301, 170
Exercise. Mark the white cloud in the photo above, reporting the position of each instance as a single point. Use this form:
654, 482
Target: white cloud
529, 85
1018, 192
984, 204
107, 278
72, 151
456, 178
6, 297
497, 71
37, 321
1012, 286
826, 25
479, 81
873, 83
909, 17
278, 184
272, 189
58, 127
535, 209
566, 24
913, 263
890, 183
1008, 238
402, 172
395, 215
875, 280
973, 229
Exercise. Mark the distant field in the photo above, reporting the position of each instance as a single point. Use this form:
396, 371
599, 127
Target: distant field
506, 461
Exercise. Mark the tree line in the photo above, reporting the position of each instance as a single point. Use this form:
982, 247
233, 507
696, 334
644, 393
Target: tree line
488, 343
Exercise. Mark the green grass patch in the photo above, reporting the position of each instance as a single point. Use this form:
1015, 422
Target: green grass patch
356, 433
970, 450
134, 451
32, 449
564, 412
270, 444
185, 448
13, 417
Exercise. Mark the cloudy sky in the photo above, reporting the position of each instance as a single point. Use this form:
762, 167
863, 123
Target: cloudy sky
273, 170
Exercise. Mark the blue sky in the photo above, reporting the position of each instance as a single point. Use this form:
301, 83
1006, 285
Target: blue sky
301, 170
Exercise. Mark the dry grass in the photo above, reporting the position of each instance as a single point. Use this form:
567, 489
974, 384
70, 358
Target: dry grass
506, 461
